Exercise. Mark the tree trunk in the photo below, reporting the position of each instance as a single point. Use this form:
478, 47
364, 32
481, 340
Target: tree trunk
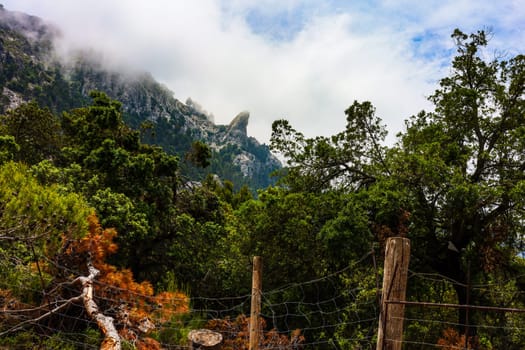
465, 316
454, 271
204, 339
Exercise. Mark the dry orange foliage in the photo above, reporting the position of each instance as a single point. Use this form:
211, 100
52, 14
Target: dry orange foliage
116, 288
235, 335
452, 340
171, 304
113, 283
140, 344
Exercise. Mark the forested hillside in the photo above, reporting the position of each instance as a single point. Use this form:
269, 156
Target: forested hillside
104, 241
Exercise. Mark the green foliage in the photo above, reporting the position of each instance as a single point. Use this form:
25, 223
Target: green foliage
283, 228
58, 341
360, 288
225, 190
35, 130
34, 221
88, 128
23, 282
176, 331
193, 250
33, 210
199, 154
344, 161
346, 237
8, 148
463, 162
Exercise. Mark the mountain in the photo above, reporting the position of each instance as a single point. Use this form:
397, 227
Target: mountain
31, 70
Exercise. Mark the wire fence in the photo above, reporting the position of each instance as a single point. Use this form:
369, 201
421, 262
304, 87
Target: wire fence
339, 310
434, 319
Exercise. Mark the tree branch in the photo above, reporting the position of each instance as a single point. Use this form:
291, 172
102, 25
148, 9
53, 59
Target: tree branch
105, 323
41, 317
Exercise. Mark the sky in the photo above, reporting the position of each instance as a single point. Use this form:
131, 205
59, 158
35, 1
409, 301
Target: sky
301, 60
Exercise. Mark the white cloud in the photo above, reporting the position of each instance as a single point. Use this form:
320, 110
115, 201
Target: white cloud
339, 52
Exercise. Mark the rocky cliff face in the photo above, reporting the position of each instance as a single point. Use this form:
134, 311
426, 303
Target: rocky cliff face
144, 99
29, 71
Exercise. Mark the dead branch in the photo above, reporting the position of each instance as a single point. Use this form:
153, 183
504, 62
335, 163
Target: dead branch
105, 323
41, 317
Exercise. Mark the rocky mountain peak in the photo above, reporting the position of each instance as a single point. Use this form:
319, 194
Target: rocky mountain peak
239, 124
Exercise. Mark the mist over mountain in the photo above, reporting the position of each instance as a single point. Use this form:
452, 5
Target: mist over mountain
31, 69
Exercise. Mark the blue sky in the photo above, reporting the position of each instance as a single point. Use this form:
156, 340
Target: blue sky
302, 60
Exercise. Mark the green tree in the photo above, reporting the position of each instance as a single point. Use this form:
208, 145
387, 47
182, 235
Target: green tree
346, 161
132, 186
283, 228
464, 164
195, 240
199, 154
454, 183
305, 237
35, 222
36, 131
100, 142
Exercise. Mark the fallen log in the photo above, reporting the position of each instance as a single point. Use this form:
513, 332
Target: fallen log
105, 323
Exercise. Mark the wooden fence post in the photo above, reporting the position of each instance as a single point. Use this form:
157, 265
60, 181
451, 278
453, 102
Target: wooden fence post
397, 256
256, 303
